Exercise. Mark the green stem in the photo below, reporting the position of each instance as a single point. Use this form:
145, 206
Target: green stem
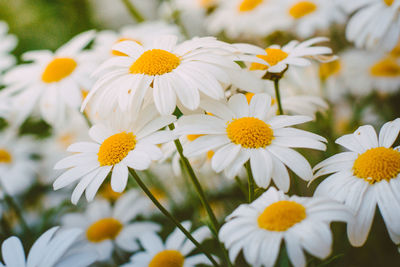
89, 123
133, 11
202, 195
240, 185
13, 205
251, 181
133, 174
278, 96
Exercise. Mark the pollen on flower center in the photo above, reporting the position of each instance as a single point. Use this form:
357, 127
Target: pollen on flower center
387, 67
5, 156
328, 69
58, 69
302, 9
103, 229
388, 2
120, 54
377, 164
167, 258
281, 215
248, 5
155, 62
115, 148
250, 132
273, 57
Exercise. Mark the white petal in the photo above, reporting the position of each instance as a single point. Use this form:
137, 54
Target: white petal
389, 133
119, 177
261, 167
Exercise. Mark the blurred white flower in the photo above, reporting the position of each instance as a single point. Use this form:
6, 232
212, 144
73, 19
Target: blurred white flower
7, 43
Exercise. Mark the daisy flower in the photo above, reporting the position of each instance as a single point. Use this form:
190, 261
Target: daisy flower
171, 71
374, 23
246, 18
116, 147
8, 43
55, 247
277, 59
17, 167
238, 132
106, 226
53, 82
306, 18
365, 176
141, 33
174, 252
302, 222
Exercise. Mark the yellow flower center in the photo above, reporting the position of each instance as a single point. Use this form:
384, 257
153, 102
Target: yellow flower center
103, 229
273, 57
120, 54
167, 258
328, 69
155, 62
387, 67
250, 132
249, 5
58, 69
302, 9
206, 3
115, 148
281, 215
109, 194
388, 2
377, 164
5, 156
210, 154
158, 193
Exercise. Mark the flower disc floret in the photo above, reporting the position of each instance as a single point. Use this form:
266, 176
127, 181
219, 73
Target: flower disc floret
281, 215
5, 156
104, 229
301, 9
249, 5
387, 67
250, 132
115, 148
167, 258
377, 164
155, 62
58, 69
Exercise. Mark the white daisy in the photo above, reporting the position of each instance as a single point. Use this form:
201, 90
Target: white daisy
238, 132
246, 18
17, 167
276, 59
116, 147
306, 18
141, 33
7, 44
366, 175
364, 72
302, 222
53, 82
55, 247
174, 252
374, 23
106, 226
172, 71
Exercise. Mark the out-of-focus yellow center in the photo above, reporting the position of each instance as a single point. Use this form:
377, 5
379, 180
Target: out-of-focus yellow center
328, 69
249, 5
158, 193
115, 148
5, 156
206, 3
66, 139
396, 51
58, 69
192, 137
103, 229
120, 54
388, 2
302, 9
155, 62
167, 258
388, 67
273, 57
377, 164
281, 215
250, 132
109, 194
